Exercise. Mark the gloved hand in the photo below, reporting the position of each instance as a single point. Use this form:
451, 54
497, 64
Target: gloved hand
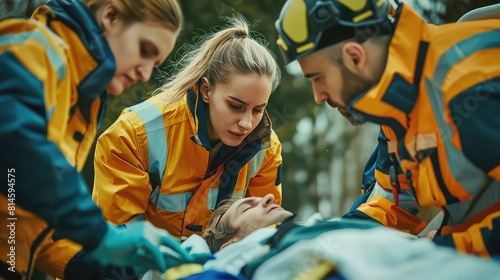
138, 246
198, 249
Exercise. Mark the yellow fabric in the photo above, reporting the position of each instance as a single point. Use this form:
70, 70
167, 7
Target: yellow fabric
471, 240
182, 271
319, 271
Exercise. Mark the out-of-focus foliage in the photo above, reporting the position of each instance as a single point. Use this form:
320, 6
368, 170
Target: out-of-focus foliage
439, 11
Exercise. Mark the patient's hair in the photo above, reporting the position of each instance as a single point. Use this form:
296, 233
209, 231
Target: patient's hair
218, 233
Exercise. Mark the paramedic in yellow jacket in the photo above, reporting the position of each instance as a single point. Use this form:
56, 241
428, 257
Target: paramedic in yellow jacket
434, 90
55, 70
205, 136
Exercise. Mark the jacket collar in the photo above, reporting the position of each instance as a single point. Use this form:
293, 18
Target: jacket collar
198, 111
390, 100
93, 77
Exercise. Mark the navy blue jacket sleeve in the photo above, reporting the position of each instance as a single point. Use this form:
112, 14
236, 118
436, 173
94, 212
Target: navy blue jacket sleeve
45, 182
368, 180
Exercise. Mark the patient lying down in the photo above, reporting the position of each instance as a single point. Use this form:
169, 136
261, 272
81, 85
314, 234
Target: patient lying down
253, 238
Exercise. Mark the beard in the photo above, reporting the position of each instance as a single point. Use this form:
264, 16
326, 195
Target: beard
352, 86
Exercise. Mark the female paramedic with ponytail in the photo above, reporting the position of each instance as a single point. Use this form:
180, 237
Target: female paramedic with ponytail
205, 136
55, 70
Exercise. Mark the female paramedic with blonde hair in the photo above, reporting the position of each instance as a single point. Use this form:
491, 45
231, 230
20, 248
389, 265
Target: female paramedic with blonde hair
56, 69
204, 137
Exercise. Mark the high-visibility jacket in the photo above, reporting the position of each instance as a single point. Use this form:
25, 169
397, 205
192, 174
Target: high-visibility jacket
437, 103
156, 163
54, 69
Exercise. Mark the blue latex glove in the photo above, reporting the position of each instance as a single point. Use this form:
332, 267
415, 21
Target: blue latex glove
198, 249
138, 246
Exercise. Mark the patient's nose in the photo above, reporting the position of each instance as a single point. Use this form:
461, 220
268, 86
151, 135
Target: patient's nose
268, 199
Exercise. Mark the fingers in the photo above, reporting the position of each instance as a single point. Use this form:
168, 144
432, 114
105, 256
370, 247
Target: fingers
175, 246
202, 258
158, 263
431, 234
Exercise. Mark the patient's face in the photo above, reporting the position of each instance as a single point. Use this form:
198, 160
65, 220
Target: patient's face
252, 213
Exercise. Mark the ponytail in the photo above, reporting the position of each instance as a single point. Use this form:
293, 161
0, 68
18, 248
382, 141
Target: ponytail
217, 57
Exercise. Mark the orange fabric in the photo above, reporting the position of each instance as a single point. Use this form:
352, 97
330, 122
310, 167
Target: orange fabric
471, 240
495, 173
432, 152
384, 211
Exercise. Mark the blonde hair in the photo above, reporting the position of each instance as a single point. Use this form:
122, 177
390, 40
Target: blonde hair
218, 56
217, 232
166, 13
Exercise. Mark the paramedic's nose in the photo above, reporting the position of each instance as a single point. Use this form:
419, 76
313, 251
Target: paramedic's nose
246, 121
268, 199
319, 94
144, 71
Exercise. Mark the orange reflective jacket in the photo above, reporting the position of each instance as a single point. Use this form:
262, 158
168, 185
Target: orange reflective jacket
437, 103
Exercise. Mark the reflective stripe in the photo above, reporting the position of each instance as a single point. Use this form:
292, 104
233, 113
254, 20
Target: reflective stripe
176, 202
54, 58
152, 118
391, 148
425, 141
421, 142
463, 211
139, 217
254, 167
406, 199
212, 198
50, 112
467, 174
464, 48
170, 202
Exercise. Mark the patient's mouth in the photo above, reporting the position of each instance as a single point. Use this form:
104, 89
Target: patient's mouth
273, 208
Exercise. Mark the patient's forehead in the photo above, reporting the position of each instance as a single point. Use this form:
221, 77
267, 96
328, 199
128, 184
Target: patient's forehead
231, 212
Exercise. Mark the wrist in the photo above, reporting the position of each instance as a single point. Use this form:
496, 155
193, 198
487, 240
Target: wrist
100, 251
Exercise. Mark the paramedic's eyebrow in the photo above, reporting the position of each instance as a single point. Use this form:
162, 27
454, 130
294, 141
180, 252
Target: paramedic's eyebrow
311, 75
244, 103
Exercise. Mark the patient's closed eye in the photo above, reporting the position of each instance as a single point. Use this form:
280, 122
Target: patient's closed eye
251, 203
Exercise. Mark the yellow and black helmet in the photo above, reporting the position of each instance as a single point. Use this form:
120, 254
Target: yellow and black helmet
305, 26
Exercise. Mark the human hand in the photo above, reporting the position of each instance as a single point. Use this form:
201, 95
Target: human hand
430, 235
138, 246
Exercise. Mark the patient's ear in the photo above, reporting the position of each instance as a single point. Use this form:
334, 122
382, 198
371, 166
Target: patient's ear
231, 241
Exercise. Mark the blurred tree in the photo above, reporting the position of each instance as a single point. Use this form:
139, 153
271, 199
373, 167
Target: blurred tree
446, 11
